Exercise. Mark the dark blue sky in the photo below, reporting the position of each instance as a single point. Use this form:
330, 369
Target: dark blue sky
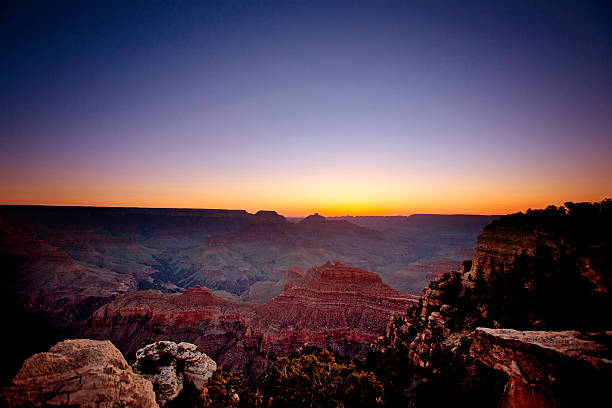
367, 107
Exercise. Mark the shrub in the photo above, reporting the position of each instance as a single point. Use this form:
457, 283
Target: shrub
320, 378
231, 390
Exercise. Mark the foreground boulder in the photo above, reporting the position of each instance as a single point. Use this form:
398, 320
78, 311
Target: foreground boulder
84, 373
171, 367
547, 368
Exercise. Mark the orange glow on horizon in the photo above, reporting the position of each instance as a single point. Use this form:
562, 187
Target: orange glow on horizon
351, 192
325, 210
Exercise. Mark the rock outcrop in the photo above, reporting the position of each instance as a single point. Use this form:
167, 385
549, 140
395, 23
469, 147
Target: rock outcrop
545, 269
333, 305
83, 373
171, 367
548, 369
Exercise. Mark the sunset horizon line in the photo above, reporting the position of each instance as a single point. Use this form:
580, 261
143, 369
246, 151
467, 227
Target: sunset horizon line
280, 212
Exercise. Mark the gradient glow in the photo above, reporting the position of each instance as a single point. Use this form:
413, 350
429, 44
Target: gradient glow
340, 108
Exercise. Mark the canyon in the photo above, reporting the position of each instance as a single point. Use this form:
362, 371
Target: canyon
61, 264
333, 305
229, 250
524, 322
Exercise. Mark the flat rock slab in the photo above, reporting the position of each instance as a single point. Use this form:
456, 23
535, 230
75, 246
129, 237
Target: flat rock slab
552, 368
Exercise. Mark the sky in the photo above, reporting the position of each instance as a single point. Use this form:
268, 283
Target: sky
357, 108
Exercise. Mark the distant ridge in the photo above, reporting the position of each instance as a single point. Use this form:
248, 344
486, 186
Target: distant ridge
444, 221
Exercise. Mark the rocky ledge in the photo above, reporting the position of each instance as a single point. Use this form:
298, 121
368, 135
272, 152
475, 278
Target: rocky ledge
548, 368
172, 367
83, 373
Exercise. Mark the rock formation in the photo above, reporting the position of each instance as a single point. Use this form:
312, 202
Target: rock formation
171, 367
83, 373
545, 269
332, 305
548, 369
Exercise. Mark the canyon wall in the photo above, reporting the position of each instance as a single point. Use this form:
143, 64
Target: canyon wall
333, 305
547, 270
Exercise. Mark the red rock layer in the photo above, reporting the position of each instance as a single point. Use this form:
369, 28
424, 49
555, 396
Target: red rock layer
332, 305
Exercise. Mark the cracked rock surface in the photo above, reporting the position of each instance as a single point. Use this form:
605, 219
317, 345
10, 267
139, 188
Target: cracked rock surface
84, 373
